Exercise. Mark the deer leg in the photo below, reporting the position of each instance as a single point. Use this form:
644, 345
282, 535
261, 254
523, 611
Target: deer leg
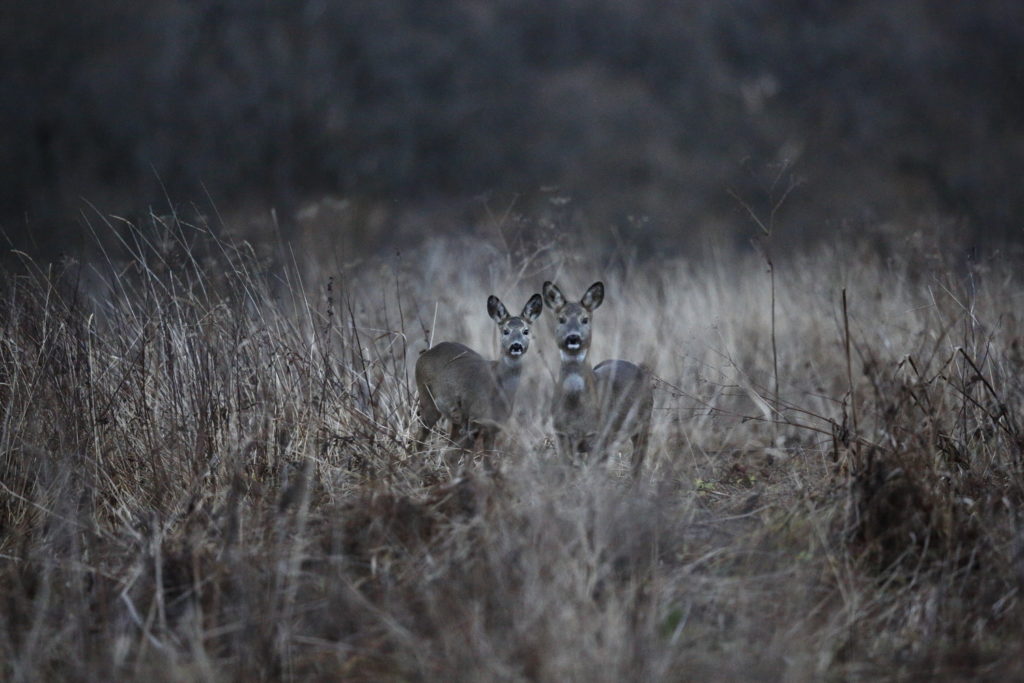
564, 446
641, 438
488, 436
639, 450
429, 415
455, 435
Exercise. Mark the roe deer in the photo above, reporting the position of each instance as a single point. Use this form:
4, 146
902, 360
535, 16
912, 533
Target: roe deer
475, 394
595, 406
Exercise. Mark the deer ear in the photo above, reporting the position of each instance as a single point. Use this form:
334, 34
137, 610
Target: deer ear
496, 309
593, 296
553, 296
533, 308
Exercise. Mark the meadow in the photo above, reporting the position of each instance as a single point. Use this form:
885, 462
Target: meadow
207, 469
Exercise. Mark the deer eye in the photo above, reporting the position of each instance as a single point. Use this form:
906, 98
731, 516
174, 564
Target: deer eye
526, 332
585, 321
505, 331
561, 319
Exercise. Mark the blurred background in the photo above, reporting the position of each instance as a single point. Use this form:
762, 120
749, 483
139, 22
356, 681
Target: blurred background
658, 124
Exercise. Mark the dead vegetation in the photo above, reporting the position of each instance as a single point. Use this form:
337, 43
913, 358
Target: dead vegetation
207, 472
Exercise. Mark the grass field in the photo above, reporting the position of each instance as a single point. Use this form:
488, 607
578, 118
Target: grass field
207, 471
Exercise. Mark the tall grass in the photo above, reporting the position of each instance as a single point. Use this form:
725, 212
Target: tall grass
207, 469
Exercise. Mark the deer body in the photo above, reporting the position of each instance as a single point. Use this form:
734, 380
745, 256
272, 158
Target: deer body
475, 394
626, 400
593, 407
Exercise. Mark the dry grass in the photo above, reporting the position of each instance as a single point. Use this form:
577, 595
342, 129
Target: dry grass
206, 471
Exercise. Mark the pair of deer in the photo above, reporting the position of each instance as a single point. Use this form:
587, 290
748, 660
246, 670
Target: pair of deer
592, 407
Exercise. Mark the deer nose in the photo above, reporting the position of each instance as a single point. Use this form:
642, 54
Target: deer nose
516, 348
573, 341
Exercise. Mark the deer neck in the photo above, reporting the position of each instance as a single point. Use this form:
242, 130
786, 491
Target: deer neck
576, 376
507, 371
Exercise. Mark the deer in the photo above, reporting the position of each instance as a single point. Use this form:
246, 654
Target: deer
594, 407
475, 394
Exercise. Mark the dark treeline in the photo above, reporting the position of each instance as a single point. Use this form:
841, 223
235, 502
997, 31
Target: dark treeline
889, 113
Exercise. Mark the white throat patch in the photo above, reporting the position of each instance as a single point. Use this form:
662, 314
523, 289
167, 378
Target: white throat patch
573, 384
